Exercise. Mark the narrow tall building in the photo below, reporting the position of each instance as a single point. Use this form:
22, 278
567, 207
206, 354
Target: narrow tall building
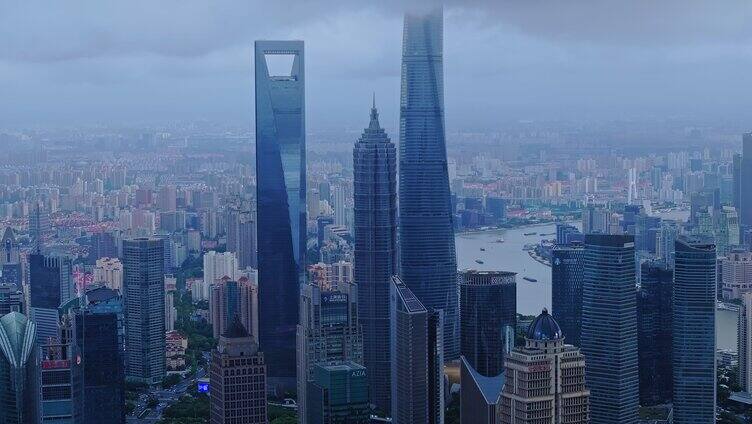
375, 253
745, 182
61, 383
567, 277
328, 334
96, 328
545, 380
488, 318
654, 329
428, 262
417, 359
744, 343
694, 302
50, 285
143, 293
609, 328
280, 194
18, 370
237, 379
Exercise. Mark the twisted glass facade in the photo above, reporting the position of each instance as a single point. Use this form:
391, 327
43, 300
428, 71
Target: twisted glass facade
694, 301
375, 191
609, 328
280, 196
428, 262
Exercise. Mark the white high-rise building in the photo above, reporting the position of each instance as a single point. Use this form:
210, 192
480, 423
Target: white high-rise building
338, 200
219, 265
736, 274
110, 272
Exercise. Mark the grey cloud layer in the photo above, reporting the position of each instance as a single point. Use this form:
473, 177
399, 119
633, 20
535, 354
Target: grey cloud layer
90, 60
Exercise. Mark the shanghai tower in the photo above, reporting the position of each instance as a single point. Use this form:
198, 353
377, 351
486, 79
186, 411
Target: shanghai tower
375, 195
280, 196
428, 263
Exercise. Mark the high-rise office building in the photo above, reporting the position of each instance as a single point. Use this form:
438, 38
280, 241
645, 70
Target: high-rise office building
50, 285
545, 379
694, 302
102, 245
280, 194
744, 343
609, 328
417, 359
96, 327
11, 299
237, 379
736, 171
428, 262
18, 369
654, 315
488, 318
61, 383
337, 393
143, 295
745, 182
328, 333
375, 253
567, 277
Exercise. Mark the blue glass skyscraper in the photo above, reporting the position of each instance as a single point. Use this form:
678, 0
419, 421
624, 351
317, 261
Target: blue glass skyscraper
375, 195
694, 301
280, 196
609, 328
428, 262
567, 276
654, 332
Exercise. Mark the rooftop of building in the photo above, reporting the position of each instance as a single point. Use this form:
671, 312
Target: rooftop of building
544, 327
490, 387
17, 334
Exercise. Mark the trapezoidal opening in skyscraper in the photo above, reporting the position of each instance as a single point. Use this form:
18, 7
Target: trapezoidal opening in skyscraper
280, 65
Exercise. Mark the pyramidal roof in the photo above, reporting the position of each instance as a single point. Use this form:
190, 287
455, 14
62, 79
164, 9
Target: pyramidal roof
236, 330
8, 234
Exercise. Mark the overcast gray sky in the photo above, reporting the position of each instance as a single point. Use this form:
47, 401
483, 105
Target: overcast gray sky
125, 62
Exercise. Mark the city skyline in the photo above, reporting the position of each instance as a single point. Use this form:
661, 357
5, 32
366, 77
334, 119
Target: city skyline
152, 273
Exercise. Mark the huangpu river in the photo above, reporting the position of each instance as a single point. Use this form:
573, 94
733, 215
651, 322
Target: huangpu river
534, 296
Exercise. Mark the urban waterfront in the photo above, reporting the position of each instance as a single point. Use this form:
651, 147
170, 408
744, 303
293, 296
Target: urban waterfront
533, 296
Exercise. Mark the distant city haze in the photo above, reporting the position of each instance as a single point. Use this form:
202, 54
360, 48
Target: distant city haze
85, 62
